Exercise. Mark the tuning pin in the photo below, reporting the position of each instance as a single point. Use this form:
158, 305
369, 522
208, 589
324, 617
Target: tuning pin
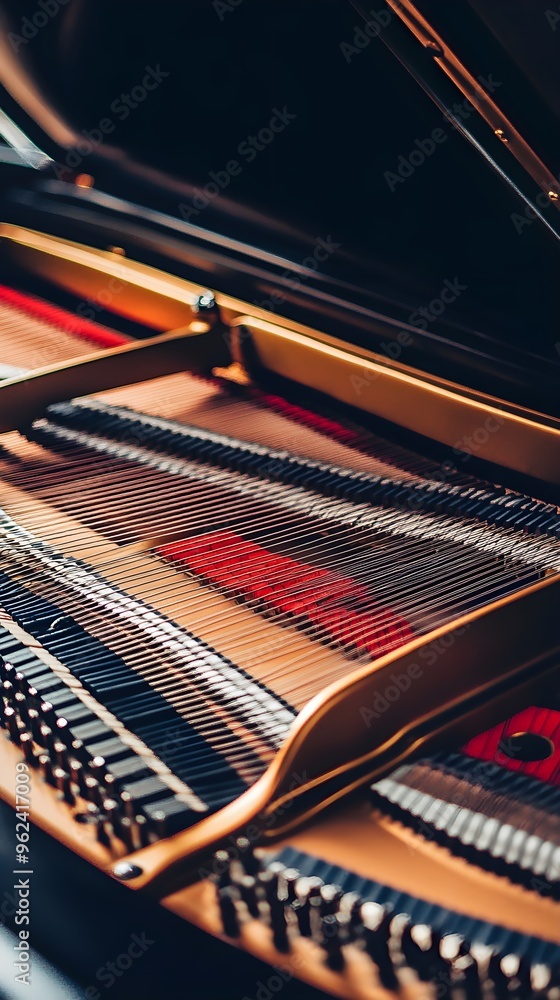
46, 737
306, 888
110, 808
222, 867
420, 945
20, 684
64, 784
248, 889
301, 911
114, 812
104, 821
6, 695
78, 774
35, 724
468, 977
97, 767
290, 877
351, 904
376, 920
102, 830
271, 882
524, 976
60, 753
334, 928
125, 832
46, 768
511, 975
247, 857
228, 898
330, 899
543, 982
62, 730
11, 718
92, 790
279, 927
21, 707
143, 830
499, 978
26, 743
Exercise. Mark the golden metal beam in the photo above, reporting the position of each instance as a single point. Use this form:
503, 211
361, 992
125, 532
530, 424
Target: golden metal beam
25, 398
472, 422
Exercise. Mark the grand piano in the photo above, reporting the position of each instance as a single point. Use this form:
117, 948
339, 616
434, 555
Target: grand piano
279, 499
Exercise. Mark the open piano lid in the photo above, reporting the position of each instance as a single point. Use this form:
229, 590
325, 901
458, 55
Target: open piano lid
285, 153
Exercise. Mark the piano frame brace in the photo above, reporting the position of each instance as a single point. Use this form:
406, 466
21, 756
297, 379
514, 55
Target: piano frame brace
492, 663
247, 338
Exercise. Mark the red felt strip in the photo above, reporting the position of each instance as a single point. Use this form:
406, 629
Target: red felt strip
308, 595
61, 318
540, 721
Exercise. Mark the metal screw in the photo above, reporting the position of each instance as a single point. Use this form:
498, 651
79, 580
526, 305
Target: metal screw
125, 871
205, 301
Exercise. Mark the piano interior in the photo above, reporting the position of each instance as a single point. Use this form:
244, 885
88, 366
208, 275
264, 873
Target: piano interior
191, 563
279, 633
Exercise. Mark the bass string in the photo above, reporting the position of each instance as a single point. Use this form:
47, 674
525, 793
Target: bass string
284, 528
362, 566
401, 549
187, 703
132, 647
249, 408
179, 595
217, 405
172, 490
97, 444
253, 422
309, 692
238, 639
31, 342
157, 652
36, 342
204, 487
